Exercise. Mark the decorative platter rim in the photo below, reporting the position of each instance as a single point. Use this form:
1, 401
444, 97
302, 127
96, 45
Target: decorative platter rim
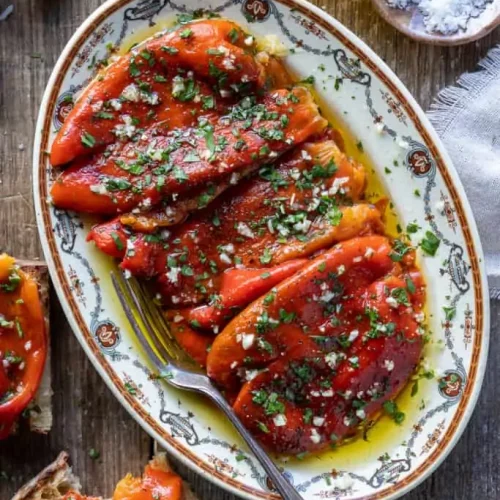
58, 228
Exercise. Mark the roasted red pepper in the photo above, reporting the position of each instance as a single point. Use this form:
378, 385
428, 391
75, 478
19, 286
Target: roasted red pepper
326, 349
157, 483
323, 336
23, 342
163, 166
282, 214
139, 85
196, 343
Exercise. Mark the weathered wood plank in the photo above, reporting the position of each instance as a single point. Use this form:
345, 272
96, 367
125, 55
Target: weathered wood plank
86, 414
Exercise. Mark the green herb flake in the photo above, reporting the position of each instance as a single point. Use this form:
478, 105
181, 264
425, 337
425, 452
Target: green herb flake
131, 389
88, 140
410, 285
104, 115
187, 270
263, 427
13, 283
118, 241
309, 80
233, 35
160, 79
430, 243
401, 296
266, 256
208, 102
400, 249
269, 299
307, 416
133, 69
449, 312
414, 389
19, 328
170, 50
412, 228
391, 408
186, 33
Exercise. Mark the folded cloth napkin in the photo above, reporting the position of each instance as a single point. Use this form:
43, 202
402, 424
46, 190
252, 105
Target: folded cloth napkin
467, 117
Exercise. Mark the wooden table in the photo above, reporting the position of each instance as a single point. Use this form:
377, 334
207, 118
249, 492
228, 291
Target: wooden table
86, 415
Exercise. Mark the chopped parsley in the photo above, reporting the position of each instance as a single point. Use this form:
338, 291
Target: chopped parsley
412, 228
208, 102
13, 283
118, 241
187, 270
286, 317
430, 243
269, 299
449, 312
391, 408
19, 328
186, 33
401, 296
117, 184
410, 285
233, 35
266, 256
399, 250
88, 140
131, 389
133, 69
160, 79
309, 80
269, 402
169, 50
263, 427
104, 115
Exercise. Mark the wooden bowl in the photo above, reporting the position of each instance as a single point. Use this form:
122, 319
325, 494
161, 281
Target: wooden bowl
411, 23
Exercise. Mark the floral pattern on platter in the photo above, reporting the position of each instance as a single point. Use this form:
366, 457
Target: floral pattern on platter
374, 108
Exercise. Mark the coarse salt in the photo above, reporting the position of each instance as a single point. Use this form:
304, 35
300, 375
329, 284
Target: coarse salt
444, 16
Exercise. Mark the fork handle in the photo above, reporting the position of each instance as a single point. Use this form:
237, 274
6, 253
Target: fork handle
287, 491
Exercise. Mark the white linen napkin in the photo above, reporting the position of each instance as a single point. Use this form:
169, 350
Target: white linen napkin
467, 117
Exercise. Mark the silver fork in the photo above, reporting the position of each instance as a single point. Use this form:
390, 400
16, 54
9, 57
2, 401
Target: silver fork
167, 356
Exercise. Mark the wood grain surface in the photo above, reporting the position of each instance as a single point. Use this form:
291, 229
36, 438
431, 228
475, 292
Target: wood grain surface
86, 415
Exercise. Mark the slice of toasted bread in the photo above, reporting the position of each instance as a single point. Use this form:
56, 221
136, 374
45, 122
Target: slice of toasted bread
52, 483
58, 479
40, 409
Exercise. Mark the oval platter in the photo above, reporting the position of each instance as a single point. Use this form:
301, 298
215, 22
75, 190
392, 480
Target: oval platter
374, 106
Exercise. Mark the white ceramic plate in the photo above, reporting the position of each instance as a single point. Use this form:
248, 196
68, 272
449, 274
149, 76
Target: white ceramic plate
376, 108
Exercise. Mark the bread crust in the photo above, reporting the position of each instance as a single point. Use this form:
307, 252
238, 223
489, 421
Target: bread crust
51, 483
57, 479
